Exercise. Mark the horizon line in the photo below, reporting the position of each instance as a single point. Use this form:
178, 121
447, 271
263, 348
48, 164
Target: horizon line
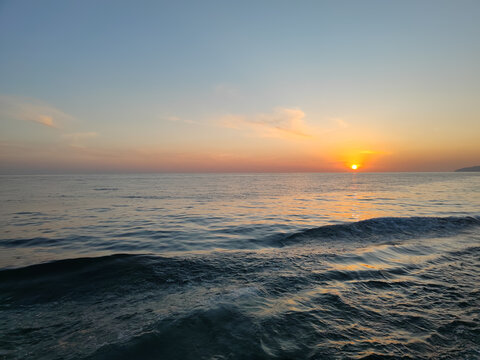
217, 172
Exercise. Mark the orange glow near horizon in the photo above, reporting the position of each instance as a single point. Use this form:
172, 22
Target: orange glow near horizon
354, 167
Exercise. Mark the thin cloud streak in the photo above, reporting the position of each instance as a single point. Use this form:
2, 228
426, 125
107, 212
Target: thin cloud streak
177, 119
29, 109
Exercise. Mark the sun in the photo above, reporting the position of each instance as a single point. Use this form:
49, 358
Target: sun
354, 166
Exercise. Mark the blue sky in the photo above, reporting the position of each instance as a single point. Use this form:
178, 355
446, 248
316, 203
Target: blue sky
115, 78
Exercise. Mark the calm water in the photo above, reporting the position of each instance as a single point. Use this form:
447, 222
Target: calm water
240, 266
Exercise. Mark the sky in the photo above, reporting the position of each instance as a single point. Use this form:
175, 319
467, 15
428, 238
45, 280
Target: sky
219, 86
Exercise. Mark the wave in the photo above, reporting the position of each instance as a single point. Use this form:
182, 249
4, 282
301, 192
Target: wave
227, 331
201, 334
79, 278
289, 303
385, 228
373, 230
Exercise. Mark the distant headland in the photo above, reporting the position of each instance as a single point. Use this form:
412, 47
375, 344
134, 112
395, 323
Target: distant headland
471, 168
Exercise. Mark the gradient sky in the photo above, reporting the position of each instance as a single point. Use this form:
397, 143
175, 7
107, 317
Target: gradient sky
117, 86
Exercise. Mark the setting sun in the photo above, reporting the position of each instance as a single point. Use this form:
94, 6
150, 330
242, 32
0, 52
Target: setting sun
354, 167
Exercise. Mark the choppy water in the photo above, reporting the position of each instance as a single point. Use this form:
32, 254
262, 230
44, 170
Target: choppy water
245, 266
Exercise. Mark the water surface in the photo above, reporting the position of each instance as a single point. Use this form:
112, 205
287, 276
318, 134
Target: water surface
240, 266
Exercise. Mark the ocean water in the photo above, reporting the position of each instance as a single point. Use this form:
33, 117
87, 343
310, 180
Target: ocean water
240, 266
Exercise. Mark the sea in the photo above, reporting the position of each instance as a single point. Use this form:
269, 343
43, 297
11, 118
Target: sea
240, 266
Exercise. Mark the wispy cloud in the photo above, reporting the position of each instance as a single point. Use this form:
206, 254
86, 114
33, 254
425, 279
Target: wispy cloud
28, 109
341, 123
178, 119
281, 123
44, 120
79, 139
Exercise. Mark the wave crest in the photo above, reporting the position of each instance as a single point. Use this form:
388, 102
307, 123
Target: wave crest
386, 228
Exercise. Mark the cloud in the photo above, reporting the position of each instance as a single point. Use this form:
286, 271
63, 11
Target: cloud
341, 123
280, 123
178, 119
172, 118
29, 109
78, 139
45, 120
